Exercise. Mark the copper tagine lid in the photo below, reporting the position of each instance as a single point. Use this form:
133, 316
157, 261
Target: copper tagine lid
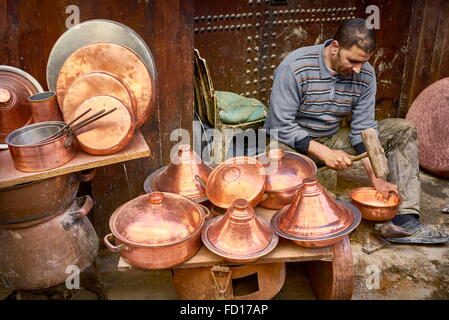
239, 235
109, 134
314, 215
286, 169
156, 219
95, 84
16, 86
236, 178
179, 176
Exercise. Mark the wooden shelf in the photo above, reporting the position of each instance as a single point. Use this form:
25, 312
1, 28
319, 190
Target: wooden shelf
285, 251
137, 148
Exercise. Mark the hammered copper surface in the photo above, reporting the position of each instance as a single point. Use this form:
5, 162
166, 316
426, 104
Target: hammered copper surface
37, 256
314, 218
429, 113
44, 106
40, 156
117, 60
95, 84
239, 235
109, 134
285, 172
15, 110
157, 230
179, 176
236, 178
373, 205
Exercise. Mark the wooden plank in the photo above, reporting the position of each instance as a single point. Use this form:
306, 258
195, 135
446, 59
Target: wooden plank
137, 148
285, 251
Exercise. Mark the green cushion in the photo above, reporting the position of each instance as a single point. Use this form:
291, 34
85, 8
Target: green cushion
234, 108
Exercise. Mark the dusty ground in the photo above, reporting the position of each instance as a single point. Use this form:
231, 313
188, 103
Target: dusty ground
405, 271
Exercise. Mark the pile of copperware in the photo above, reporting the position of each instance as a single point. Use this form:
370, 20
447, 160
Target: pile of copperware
169, 219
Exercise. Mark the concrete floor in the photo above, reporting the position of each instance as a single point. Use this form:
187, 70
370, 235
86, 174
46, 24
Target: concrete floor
404, 271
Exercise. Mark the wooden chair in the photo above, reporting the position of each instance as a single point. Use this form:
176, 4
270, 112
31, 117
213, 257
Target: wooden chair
208, 111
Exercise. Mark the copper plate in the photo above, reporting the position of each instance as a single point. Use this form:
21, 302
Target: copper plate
109, 134
95, 84
236, 178
117, 60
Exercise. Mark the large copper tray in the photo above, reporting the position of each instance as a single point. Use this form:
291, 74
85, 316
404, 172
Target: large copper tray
114, 59
93, 31
95, 84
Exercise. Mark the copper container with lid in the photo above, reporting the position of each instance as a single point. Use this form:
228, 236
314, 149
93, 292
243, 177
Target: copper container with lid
236, 178
180, 176
157, 230
285, 173
15, 87
239, 235
373, 205
315, 219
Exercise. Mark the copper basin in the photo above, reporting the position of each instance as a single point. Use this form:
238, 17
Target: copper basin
315, 219
285, 173
236, 178
373, 205
29, 155
179, 176
157, 230
239, 235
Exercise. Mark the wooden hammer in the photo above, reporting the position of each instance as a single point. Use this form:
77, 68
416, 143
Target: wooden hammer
374, 151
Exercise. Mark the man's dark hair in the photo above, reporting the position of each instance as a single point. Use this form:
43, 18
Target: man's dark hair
354, 32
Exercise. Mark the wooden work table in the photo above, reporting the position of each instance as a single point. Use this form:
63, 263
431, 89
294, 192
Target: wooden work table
137, 148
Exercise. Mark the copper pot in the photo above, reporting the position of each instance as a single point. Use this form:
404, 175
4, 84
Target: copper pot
180, 176
45, 107
29, 155
157, 230
315, 219
373, 205
36, 256
236, 178
35, 200
285, 173
15, 87
239, 235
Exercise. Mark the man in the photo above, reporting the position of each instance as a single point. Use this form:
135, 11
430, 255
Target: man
315, 87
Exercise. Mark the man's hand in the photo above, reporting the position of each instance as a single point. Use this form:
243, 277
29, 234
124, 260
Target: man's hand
334, 159
384, 187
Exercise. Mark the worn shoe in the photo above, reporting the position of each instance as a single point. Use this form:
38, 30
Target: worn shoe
390, 230
420, 234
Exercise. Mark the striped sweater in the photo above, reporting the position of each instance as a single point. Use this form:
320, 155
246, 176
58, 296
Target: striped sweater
308, 101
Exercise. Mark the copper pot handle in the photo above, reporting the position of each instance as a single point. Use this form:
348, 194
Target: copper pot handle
206, 212
85, 209
111, 246
200, 181
69, 141
86, 176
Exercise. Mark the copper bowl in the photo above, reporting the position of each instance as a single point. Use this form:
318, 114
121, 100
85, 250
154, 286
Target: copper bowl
285, 173
373, 205
239, 235
315, 219
236, 178
180, 176
157, 230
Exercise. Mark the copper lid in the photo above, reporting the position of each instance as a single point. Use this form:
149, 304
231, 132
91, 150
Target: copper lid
109, 134
239, 234
286, 169
122, 63
156, 219
179, 176
236, 178
15, 87
314, 215
95, 84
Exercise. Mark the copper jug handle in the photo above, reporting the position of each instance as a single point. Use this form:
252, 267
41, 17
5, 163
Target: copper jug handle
206, 212
77, 215
69, 141
111, 246
200, 181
